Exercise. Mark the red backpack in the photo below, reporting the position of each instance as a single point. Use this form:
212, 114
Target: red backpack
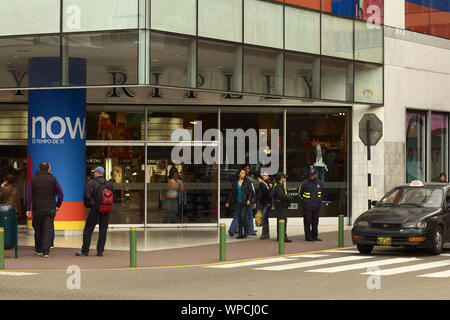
106, 197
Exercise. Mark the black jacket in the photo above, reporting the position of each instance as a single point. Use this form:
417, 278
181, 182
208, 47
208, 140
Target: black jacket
90, 196
263, 194
310, 193
247, 192
43, 190
281, 197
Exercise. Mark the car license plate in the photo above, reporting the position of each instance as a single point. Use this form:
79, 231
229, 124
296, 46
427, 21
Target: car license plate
293, 206
382, 241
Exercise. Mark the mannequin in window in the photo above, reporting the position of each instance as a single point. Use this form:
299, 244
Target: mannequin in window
316, 158
105, 127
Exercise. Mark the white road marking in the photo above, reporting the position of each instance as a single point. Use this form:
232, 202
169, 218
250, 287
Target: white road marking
264, 261
442, 274
314, 263
363, 265
17, 274
417, 267
344, 251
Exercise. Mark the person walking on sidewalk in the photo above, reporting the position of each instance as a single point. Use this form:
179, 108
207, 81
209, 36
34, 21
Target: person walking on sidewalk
264, 198
310, 193
98, 196
239, 200
250, 215
41, 193
281, 201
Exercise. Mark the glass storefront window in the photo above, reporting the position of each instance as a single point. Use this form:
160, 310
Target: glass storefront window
301, 76
124, 166
177, 16
16, 55
368, 83
111, 57
254, 125
337, 80
83, 15
307, 131
114, 125
14, 123
220, 19
173, 60
263, 23
263, 71
439, 142
415, 145
302, 30
219, 66
28, 17
337, 37
368, 42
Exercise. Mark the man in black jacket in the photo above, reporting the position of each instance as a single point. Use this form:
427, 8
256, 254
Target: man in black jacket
265, 203
281, 201
41, 193
92, 200
310, 193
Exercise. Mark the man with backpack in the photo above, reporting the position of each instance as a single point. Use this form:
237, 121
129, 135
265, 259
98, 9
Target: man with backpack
99, 195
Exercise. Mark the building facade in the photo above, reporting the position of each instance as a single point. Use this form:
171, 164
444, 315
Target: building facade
86, 83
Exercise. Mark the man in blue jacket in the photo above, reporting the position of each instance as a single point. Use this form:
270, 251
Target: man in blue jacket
311, 198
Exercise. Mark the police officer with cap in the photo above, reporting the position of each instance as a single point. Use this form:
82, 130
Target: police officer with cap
282, 200
310, 193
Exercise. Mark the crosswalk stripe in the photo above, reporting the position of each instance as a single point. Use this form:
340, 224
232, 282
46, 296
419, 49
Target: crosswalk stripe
17, 274
264, 261
442, 274
364, 265
314, 263
344, 251
417, 267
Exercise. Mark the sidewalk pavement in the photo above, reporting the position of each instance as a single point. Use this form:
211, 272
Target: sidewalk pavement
165, 248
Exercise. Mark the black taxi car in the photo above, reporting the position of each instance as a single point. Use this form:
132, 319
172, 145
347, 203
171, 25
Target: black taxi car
412, 215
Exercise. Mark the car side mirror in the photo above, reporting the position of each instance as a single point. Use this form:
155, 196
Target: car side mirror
374, 203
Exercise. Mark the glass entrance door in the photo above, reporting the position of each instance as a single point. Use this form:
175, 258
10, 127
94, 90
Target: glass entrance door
193, 196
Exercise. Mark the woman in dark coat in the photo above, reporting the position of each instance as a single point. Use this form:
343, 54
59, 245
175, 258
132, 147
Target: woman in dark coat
239, 199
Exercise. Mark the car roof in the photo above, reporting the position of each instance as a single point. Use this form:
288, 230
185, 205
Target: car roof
428, 184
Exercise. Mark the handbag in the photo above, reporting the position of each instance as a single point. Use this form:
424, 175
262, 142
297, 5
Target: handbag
258, 218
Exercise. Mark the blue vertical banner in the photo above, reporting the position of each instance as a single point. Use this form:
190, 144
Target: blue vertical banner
57, 133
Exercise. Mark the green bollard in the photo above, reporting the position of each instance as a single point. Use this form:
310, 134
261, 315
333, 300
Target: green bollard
2, 248
341, 231
133, 247
281, 233
222, 253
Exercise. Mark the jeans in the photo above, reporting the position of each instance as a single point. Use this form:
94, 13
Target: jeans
235, 221
250, 222
321, 173
93, 218
265, 210
43, 220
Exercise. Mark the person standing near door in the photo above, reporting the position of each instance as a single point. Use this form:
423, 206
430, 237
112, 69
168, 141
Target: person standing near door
174, 192
265, 203
253, 183
41, 193
282, 200
310, 193
239, 200
94, 192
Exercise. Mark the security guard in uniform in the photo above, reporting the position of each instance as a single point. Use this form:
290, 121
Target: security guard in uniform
310, 193
281, 202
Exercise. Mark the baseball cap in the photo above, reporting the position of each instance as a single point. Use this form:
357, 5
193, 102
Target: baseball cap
100, 170
312, 171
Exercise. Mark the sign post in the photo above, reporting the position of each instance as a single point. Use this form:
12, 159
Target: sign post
370, 132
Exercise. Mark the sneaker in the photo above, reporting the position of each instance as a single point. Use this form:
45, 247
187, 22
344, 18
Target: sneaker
317, 239
81, 253
46, 256
99, 254
38, 253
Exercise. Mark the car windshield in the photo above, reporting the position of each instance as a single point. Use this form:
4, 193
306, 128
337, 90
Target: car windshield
414, 197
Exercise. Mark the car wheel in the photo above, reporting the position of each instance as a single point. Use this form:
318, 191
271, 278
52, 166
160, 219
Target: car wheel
364, 249
438, 242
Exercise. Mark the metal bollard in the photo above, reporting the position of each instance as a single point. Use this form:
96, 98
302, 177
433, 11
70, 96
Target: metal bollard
133, 248
2, 248
341, 231
281, 232
222, 253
